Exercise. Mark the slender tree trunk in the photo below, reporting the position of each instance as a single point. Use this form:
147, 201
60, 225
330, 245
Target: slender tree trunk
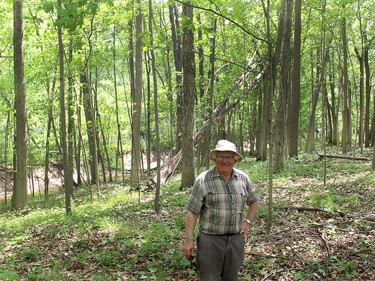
373, 123
100, 147
333, 107
267, 103
325, 54
91, 128
310, 143
156, 111
68, 183
360, 57
119, 150
78, 139
346, 134
148, 110
209, 100
367, 131
19, 197
188, 100
136, 113
177, 51
6, 145
295, 100
47, 152
71, 128
201, 149
269, 137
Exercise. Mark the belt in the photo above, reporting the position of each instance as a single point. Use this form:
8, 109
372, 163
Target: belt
225, 234
230, 234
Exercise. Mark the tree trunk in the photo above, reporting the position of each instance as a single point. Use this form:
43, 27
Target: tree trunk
156, 111
68, 183
367, 131
295, 98
177, 51
19, 197
91, 128
71, 129
137, 102
119, 149
100, 147
47, 148
310, 143
208, 102
267, 102
346, 134
360, 57
333, 107
6, 146
187, 168
284, 90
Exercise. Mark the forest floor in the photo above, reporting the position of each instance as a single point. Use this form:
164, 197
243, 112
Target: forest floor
35, 181
320, 230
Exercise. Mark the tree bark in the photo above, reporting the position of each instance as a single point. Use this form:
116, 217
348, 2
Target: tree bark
284, 90
295, 98
68, 183
91, 128
156, 111
19, 197
137, 102
119, 149
346, 134
188, 71
178, 54
360, 57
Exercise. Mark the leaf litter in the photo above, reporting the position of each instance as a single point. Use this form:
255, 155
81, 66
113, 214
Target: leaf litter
319, 232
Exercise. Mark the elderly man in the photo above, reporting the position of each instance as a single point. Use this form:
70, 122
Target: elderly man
219, 198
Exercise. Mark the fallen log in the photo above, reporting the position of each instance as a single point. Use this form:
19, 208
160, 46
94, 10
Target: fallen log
370, 217
321, 157
219, 112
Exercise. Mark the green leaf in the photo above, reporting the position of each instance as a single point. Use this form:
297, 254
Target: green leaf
92, 8
48, 7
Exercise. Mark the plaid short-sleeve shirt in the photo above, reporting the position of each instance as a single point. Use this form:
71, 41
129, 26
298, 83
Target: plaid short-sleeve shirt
221, 204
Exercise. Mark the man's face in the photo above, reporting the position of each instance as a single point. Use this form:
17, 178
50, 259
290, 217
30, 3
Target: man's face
225, 161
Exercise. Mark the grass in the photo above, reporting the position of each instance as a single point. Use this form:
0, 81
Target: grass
117, 238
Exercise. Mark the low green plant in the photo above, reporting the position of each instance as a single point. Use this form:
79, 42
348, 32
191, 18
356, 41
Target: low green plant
31, 254
8, 275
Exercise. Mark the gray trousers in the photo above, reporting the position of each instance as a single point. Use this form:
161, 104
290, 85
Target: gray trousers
219, 257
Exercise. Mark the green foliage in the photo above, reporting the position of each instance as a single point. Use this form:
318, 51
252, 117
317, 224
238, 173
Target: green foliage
118, 237
31, 254
48, 7
8, 275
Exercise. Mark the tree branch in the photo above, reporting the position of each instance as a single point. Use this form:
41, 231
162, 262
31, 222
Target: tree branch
225, 17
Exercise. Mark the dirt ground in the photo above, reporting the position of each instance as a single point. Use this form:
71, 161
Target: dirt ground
35, 181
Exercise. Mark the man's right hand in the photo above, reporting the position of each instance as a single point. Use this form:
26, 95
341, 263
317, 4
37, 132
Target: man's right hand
189, 248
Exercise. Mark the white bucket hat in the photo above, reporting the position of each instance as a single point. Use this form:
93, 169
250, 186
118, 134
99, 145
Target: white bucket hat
224, 145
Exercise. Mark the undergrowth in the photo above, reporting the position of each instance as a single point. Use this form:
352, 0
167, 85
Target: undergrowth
320, 231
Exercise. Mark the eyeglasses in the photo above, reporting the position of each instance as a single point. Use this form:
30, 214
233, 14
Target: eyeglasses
221, 158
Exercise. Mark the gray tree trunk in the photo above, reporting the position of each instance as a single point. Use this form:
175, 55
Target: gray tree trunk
188, 101
137, 102
294, 102
68, 183
177, 51
19, 197
284, 90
